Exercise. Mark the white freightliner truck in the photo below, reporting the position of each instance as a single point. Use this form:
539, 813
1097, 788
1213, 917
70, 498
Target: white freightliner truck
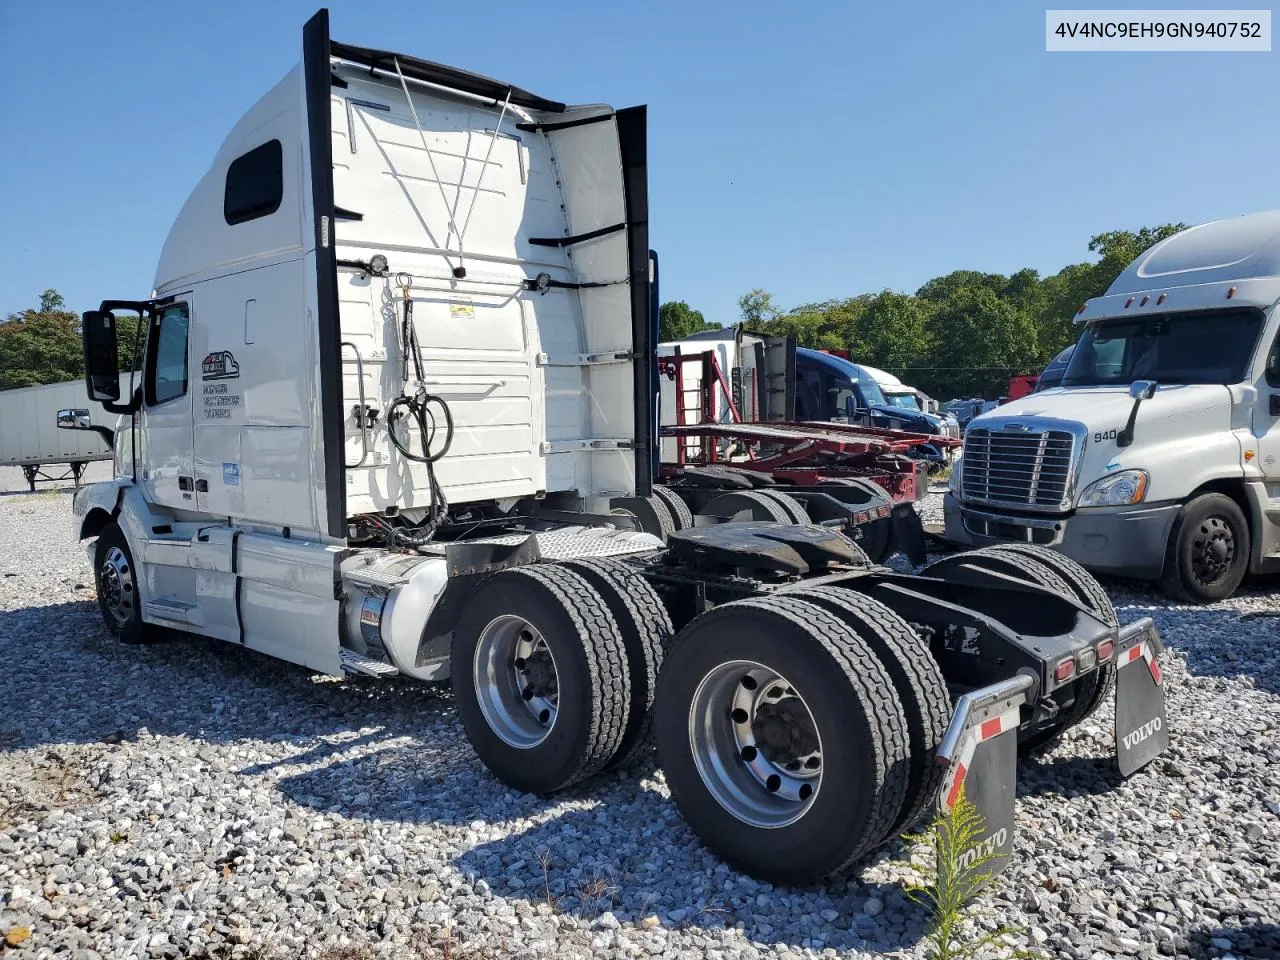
397, 392
1158, 457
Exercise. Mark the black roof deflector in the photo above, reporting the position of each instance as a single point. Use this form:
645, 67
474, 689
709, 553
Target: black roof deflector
451, 77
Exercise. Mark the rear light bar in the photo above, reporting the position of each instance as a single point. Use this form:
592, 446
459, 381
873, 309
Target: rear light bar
1084, 661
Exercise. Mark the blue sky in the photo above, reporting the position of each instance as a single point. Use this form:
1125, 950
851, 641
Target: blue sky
813, 149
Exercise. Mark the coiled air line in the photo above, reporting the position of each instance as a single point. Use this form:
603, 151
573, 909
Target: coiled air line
418, 407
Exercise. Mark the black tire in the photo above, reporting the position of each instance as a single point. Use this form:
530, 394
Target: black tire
650, 513
1027, 569
855, 710
1094, 689
591, 668
646, 632
1194, 569
917, 678
676, 506
1082, 583
1032, 567
115, 579
795, 509
755, 502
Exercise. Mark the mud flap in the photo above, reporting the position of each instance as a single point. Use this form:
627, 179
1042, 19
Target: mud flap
980, 752
1142, 727
908, 533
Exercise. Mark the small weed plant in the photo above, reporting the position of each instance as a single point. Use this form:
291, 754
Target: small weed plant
950, 879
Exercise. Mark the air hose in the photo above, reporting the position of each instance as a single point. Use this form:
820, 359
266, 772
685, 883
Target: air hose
419, 407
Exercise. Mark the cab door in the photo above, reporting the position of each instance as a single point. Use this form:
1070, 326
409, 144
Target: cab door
167, 441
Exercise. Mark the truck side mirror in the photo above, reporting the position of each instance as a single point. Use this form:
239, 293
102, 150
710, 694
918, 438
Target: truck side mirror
74, 420
1142, 389
101, 356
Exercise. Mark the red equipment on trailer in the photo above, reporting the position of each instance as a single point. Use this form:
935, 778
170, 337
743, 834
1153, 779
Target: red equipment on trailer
859, 478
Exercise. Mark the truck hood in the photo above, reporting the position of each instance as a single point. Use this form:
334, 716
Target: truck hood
1104, 408
914, 420
1164, 424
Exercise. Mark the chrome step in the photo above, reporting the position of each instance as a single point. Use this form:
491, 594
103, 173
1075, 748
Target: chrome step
354, 662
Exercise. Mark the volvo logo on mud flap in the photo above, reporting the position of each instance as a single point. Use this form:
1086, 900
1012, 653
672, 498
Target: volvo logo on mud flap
1131, 740
992, 846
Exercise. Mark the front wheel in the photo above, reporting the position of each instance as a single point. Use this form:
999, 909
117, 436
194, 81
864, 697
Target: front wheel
116, 580
1208, 551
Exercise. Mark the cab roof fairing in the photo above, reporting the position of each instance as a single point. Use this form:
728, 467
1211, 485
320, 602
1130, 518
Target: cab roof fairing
1196, 268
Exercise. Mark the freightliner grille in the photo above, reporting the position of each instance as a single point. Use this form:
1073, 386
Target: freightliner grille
1017, 468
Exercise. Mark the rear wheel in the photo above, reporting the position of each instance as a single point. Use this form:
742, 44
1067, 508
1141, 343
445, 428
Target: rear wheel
650, 514
646, 632
917, 678
782, 738
116, 580
540, 677
794, 508
676, 506
1095, 687
746, 505
1031, 565
1208, 552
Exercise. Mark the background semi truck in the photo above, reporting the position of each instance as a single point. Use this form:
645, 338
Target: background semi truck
399, 371
1158, 455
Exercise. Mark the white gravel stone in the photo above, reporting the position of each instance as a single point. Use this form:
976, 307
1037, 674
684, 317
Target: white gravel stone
191, 799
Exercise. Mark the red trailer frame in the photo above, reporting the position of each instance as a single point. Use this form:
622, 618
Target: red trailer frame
792, 452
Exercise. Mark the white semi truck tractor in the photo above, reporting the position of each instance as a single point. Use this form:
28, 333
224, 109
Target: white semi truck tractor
1158, 457
395, 415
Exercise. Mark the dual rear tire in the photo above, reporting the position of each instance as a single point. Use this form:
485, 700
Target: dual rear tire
797, 731
554, 669
1048, 568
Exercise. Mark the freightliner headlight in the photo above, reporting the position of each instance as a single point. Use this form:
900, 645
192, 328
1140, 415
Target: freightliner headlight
1116, 489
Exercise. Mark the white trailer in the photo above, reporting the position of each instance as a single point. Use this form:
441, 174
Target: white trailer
31, 438
400, 372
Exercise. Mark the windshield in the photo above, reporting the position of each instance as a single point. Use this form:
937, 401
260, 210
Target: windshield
1208, 347
871, 391
907, 401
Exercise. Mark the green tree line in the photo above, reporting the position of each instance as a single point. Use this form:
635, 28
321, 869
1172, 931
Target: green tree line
960, 335
42, 345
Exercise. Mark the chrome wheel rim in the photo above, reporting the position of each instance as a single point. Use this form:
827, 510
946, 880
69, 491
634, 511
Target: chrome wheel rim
516, 682
755, 744
115, 586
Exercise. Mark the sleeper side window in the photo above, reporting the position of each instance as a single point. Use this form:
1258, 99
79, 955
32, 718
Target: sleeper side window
255, 184
166, 377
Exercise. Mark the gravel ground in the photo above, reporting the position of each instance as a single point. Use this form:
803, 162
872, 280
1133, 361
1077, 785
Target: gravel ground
190, 799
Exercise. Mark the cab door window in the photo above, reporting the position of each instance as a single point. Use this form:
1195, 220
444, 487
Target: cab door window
166, 377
